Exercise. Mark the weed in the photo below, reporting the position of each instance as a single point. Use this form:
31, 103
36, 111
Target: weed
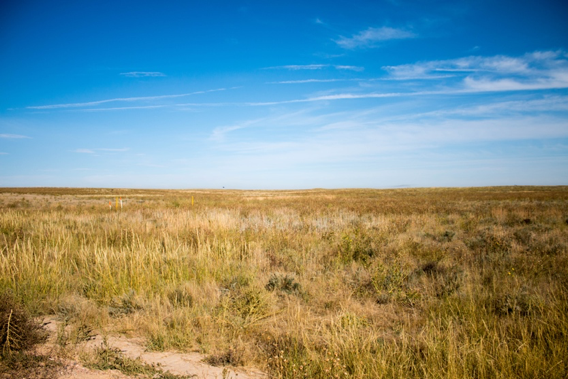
231, 357
18, 331
284, 283
108, 358
124, 305
21, 365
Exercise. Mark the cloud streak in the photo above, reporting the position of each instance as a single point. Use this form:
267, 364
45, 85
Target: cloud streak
121, 99
537, 70
545, 105
13, 136
342, 96
371, 37
309, 81
297, 67
352, 68
121, 108
142, 74
541, 70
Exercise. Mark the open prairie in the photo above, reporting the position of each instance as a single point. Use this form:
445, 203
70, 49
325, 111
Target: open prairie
407, 283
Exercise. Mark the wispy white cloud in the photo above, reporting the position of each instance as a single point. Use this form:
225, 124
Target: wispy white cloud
352, 68
498, 85
490, 110
301, 81
533, 71
546, 104
289, 118
142, 74
362, 136
540, 70
122, 99
296, 67
13, 136
84, 151
3, 153
308, 81
120, 108
385, 149
372, 36
341, 96
180, 105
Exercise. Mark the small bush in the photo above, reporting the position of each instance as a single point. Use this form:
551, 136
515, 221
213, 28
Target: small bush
356, 246
231, 357
284, 283
18, 334
249, 304
125, 304
18, 331
28, 366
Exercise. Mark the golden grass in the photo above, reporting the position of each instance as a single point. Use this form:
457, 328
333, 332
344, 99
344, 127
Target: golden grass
413, 283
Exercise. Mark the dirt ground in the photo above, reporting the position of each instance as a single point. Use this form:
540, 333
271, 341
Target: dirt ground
188, 364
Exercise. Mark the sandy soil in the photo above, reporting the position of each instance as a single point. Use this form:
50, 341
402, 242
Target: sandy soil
190, 364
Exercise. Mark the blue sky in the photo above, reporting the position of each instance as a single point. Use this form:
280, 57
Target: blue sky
278, 95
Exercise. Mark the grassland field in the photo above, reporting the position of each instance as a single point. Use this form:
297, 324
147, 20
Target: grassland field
355, 283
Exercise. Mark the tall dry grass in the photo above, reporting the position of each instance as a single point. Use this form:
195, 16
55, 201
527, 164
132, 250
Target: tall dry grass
414, 283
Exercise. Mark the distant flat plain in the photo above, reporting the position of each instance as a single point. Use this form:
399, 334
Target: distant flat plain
358, 283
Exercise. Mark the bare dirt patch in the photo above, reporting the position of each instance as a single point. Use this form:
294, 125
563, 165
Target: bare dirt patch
169, 363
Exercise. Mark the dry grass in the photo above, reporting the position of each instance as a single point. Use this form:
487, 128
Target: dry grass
414, 283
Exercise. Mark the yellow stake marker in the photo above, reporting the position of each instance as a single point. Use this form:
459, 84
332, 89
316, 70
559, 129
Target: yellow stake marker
192, 201
117, 203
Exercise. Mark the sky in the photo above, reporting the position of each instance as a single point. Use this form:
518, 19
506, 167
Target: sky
283, 94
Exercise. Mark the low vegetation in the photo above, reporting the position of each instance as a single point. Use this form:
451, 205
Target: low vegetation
19, 334
409, 283
108, 358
